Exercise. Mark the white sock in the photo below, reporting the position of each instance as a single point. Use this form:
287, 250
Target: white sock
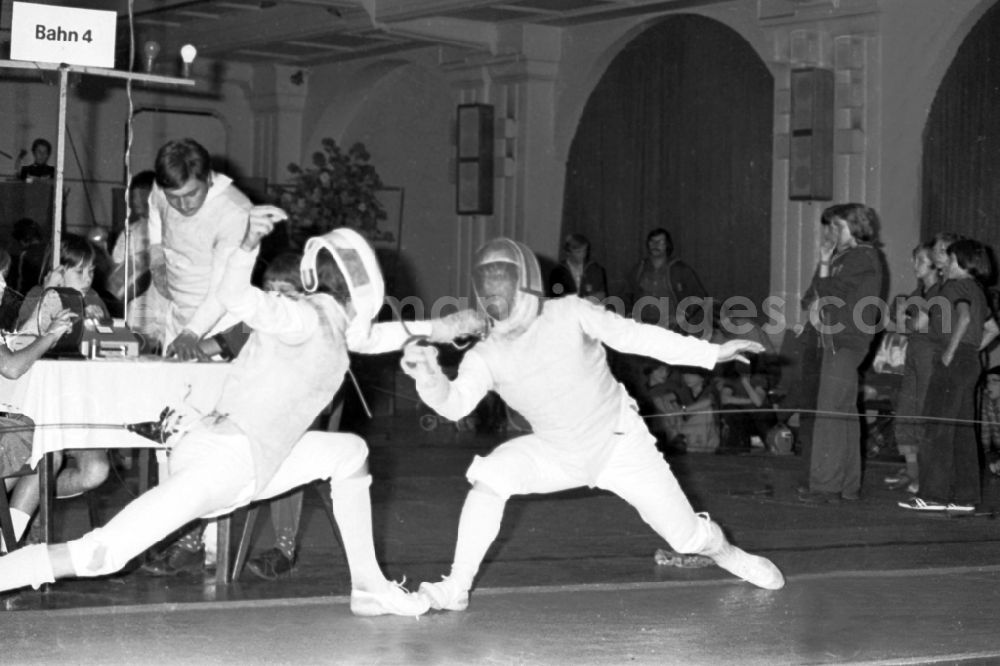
478, 527
352, 509
26, 566
20, 520
210, 538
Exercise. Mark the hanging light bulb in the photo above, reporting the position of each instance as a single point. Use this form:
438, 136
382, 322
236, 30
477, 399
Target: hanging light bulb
188, 54
150, 50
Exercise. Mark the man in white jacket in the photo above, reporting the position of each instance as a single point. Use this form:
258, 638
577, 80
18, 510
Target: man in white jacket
196, 219
545, 359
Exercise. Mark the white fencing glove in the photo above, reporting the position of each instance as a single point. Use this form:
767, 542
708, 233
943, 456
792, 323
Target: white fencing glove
420, 362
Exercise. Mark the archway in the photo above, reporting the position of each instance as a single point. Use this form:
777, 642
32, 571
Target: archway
961, 142
678, 134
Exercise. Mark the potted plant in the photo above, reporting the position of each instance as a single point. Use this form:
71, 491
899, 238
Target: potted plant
339, 189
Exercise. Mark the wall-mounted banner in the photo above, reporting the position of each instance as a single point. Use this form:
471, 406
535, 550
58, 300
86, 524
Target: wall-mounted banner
48, 33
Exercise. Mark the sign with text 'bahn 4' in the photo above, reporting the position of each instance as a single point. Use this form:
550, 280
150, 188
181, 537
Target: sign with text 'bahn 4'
49, 33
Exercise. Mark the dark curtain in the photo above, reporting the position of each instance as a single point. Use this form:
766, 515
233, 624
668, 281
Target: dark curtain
678, 134
961, 156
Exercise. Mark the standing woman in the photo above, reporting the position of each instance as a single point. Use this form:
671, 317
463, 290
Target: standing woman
948, 456
576, 273
843, 293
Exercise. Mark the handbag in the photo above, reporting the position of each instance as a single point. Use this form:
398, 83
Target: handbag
890, 359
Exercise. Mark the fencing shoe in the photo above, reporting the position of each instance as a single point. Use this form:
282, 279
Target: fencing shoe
752, 568
393, 600
446, 595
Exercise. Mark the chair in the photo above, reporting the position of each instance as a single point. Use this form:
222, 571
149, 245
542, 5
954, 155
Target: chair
228, 574
6, 523
47, 498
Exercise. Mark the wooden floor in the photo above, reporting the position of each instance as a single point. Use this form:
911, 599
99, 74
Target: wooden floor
571, 579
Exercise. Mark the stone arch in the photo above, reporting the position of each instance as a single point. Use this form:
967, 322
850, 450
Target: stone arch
695, 167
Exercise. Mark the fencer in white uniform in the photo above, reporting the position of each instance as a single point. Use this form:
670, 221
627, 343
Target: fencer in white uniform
545, 359
255, 444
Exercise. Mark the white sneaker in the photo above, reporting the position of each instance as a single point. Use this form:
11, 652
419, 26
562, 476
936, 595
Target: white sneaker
394, 600
752, 568
446, 595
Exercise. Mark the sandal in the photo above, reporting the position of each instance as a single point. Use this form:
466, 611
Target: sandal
917, 504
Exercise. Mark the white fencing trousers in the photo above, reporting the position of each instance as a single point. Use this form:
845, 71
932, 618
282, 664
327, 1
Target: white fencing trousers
211, 474
633, 469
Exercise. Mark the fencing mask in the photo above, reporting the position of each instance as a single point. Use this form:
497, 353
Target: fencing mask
507, 281
359, 267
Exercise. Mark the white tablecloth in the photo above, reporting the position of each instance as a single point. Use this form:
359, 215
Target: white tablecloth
85, 403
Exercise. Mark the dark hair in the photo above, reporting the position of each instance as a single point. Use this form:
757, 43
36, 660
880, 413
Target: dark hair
576, 241
660, 231
927, 247
971, 256
142, 181
862, 220
75, 251
331, 280
180, 160
41, 142
26, 231
285, 267
945, 237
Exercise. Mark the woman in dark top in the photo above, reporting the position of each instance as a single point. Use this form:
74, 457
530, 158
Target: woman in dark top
848, 276
577, 274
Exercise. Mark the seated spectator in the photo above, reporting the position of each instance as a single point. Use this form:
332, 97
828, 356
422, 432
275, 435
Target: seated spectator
699, 402
75, 271
663, 411
16, 429
684, 403
744, 387
84, 469
577, 273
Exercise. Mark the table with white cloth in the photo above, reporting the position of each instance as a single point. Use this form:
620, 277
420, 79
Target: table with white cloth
81, 404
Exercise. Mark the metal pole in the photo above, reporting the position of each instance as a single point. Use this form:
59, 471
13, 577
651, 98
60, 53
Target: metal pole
57, 206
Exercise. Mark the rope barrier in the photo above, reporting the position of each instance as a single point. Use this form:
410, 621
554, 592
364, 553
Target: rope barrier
914, 418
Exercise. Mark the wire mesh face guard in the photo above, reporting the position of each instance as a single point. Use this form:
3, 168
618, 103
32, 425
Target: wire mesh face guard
359, 266
496, 286
507, 281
